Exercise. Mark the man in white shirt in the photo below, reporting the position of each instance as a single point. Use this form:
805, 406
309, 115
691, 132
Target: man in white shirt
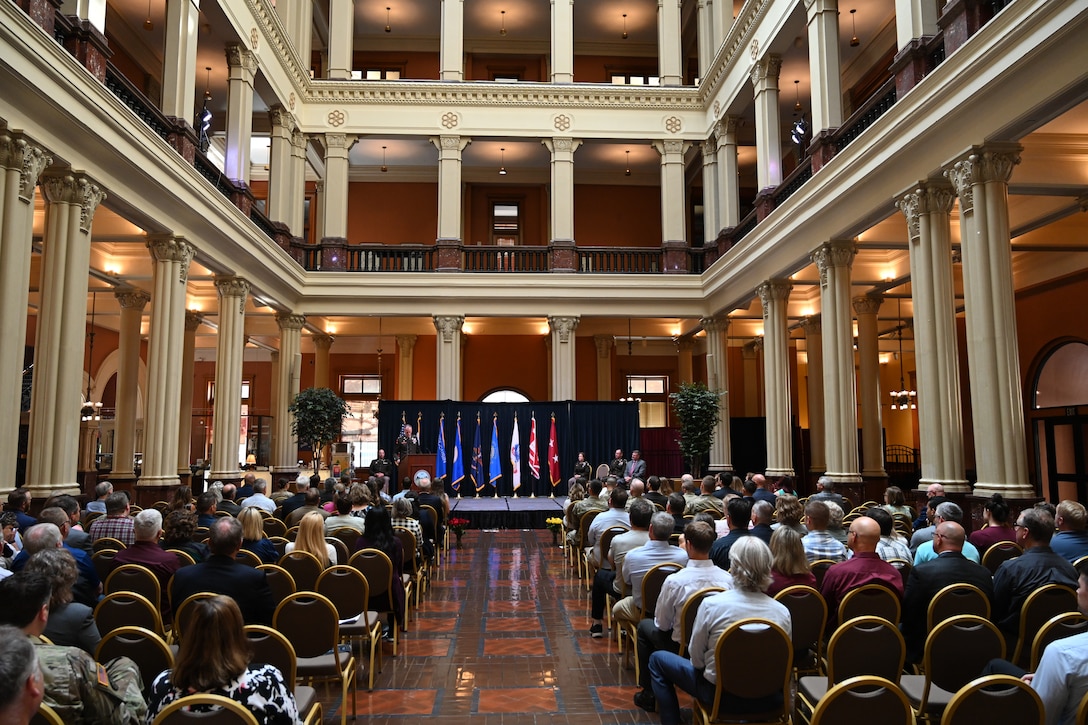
662, 632
259, 499
638, 563
604, 581
616, 515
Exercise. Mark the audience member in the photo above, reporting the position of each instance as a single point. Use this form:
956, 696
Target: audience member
605, 580
101, 491
21, 684
76, 537
818, 543
379, 535
402, 518
890, 546
88, 586
995, 513
19, 502
947, 511
281, 493
925, 533
764, 490
615, 515
182, 500
896, 503
738, 512
311, 539
290, 503
228, 503
1071, 540
207, 504
258, 499
312, 505
933, 490
653, 492
825, 491
864, 567
253, 537
706, 500
147, 525
675, 507
248, 487
71, 624
789, 511
638, 562
789, 565
116, 524
178, 529
762, 516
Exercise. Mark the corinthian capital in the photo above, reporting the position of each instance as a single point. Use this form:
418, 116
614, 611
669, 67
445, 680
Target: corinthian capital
772, 291
448, 325
132, 299
227, 287
984, 164
74, 189
564, 326
290, 321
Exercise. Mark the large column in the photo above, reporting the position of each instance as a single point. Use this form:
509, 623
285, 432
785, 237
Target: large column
322, 346
564, 361
20, 165
302, 36
774, 295
451, 54
914, 19
711, 193
297, 196
981, 179
337, 148
166, 335
562, 41
728, 189
717, 377
448, 356
834, 260
872, 443
179, 60
132, 304
242, 67
673, 216
668, 42
768, 122
285, 457
71, 201
823, 60
562, 187
449, 185
813, 329
193, 320
341, 38
703, 31
928, 210
406, 345
281, 172
229, 352
604, 344
752, 399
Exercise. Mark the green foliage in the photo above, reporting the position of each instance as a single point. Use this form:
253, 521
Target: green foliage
696, 408
318, 414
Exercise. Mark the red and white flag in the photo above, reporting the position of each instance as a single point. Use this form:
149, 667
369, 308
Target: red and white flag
515, 455
534, 459
553, 455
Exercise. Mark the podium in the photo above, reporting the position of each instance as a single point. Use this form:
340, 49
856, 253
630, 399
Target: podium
413, 462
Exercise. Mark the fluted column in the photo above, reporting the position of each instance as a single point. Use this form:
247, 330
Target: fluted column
834, 259
562, 186
604, 344
281, 182
166, 335
813, 329
229, 354
673, 227
728, 198
337, 148
285, 457
132, 303
296, 220
717, 378
872, 426
753, 401
322, 346
449, 185
71, 201
406, 345
451, 54
20, 165
703, 22
774, 295
448, 356
981, 180
824, 63
668, 42
562, 41
928, 209
341, 38
711, 193
179, 59
564, 360
193, 321
242, 67
768, 122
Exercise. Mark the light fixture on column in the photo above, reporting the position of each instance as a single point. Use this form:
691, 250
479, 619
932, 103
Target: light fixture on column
624, 36
148, 25
797, 97
388, 29
502, 22
502, 162
204, 118
384, 167
90, 411
854, 42
902, 399
627, 172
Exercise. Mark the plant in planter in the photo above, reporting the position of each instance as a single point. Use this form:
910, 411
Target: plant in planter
696, 408
318, 414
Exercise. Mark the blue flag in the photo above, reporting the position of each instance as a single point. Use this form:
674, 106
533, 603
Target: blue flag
477, 459
458, 462
440, 458
495, 465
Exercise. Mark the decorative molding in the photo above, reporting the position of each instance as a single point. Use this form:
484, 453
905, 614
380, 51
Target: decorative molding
715, 324
291, 321
448, 325
564, 327
240, 57
337, 118
425, 93
132, 299
838, 253
868, 304
406, 343
232, 287
193, 320
925, 199
74, 189
812, 326
562, 122
280, 117
673, 124
766, 70
172, 249
322, 342
771, 291
16, 153
450, 119
985, 164
725, 129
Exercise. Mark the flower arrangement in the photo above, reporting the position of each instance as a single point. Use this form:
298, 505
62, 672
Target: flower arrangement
555, 525
459, 526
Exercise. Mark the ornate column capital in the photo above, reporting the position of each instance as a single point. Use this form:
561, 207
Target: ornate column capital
671, 147
751, 348
340, 142
167, 248
193, 320
836, 253
561, 144
868, 304
406, 343
450, 146
604, 345
69, 188
233, 287
812, 325
16, 153
289, 320
710, 150
564, 326
983, 164
926, 198
685, 344
238, 56
765, 72
298, 141
132, 299
771, 291
281, 118
715, 324
448, 325
725, 129
322, 342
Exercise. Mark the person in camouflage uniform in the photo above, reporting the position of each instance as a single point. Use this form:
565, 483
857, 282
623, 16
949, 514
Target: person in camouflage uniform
78, 688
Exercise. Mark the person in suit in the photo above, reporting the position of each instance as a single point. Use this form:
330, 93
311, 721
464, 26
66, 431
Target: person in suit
635, 468
407, 443
929, 577
222, 574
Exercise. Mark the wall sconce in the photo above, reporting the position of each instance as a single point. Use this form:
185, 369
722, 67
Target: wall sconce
388, 29
502, 22
502, 162
854, 42
628, 170
384, 167
624, 36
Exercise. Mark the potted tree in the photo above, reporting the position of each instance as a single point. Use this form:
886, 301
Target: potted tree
696, 408
318, 414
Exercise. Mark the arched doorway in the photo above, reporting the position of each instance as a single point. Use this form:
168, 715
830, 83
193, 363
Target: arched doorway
1060, 390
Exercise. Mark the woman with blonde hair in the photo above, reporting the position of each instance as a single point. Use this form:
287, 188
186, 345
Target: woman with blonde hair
789, 564
788, 512
311, 539
253, 536
214, 659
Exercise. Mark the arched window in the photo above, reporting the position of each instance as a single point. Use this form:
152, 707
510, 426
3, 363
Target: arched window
505, 395
1063, 377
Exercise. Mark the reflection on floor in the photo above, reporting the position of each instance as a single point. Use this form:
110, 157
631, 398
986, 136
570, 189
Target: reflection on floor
502, 637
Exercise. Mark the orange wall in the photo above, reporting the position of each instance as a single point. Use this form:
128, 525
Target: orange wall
534, 211
598, 68
416, 65
392, 213
505, 361
480, 67
259, 374
424, 364
627, 216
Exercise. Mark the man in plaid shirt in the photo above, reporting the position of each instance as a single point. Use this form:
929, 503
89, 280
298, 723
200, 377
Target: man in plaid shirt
116, 524
817, 542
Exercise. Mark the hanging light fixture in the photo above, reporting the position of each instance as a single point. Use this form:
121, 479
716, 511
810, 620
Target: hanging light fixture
388, 28
902, 399
797, 97
502, 163
384, 169
854, 42
624, 36
148, 25
90, 411
628, 171
502, 22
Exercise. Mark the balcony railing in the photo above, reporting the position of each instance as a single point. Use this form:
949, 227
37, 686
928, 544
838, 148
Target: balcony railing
504, 259
866, 116
616, 260
384, 258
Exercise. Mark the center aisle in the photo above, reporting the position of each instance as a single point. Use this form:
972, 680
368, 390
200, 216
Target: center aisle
502, 637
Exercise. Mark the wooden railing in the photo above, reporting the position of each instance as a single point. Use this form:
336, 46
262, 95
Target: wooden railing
504, 259
865, 116
390, 258
617, 260
136, 101
794, 181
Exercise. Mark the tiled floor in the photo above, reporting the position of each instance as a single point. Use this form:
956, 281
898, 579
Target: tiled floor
502, 638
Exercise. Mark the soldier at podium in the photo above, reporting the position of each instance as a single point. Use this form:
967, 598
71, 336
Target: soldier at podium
407, 443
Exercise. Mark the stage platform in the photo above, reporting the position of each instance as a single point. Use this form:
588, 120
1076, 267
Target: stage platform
506, 512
